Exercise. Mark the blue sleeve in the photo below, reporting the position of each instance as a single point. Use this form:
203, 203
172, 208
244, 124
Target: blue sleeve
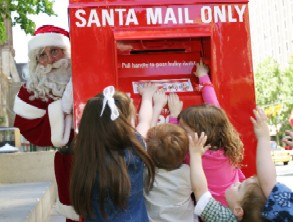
279, 206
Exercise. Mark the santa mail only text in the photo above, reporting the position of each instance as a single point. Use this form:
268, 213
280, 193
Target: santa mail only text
103, 17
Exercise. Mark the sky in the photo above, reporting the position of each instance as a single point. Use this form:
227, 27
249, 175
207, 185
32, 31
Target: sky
20, 39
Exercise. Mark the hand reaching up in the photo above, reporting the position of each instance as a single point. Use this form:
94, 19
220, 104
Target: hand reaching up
260, 125
265, 167
160, 100
174, 104
146, 108
201, 69
196, 144
198, 179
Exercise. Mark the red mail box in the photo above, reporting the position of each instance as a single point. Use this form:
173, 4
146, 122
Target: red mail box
125, 43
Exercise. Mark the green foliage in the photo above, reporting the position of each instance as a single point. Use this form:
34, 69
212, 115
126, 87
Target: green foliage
21, 10
274, 93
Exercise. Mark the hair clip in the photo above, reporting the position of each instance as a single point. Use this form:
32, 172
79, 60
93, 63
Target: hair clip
108, 98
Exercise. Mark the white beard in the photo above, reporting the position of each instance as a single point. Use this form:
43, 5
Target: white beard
49, 82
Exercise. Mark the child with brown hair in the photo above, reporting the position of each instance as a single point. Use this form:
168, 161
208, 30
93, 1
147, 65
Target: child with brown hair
169, 199
245, 200
221, 163
109, 158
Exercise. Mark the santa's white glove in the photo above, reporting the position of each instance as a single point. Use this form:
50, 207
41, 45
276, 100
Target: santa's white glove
67, 98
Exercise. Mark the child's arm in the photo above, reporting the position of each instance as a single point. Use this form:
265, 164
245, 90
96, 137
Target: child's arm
208, 91
175, 107
198, 179
266, 171
206, 207
160, 100
146, 108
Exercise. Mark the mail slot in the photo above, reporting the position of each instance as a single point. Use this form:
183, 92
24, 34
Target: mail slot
126, 43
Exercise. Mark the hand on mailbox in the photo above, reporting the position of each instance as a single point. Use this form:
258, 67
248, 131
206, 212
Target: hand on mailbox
160, 99
147, 90
174, 104
145, 113
67, 98
201, 69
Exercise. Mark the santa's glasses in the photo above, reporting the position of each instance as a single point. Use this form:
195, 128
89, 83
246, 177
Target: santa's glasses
49, 53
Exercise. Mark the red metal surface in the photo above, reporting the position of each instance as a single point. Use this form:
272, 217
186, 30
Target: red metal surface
73, 3
129, 48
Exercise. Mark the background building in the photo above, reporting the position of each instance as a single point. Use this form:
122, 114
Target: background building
271, 26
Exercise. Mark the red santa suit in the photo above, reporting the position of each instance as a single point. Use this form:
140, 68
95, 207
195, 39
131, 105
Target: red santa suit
33, 118
44, 123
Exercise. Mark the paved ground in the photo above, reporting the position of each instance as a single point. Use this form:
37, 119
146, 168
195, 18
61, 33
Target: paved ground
18, 201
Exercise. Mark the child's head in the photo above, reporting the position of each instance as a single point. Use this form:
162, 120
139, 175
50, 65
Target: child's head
219, 130
246, 200
96, 123
167, 145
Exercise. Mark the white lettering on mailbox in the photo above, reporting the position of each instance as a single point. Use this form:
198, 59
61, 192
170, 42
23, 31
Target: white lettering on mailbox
126, 17
222, 13
106, 17
156, 16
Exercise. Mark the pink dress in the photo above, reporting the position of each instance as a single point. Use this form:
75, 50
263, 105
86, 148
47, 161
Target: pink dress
219, 172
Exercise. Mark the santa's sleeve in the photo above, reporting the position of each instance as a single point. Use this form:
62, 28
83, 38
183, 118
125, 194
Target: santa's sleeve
41, 123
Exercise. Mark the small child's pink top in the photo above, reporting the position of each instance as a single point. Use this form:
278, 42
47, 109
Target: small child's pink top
219, 172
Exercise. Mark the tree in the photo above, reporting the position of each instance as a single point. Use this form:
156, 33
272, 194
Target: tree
21, 9
288, 98
274, 94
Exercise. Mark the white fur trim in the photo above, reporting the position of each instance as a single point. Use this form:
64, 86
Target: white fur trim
60, 128
67, 211
26, 110
202, 203
48, 39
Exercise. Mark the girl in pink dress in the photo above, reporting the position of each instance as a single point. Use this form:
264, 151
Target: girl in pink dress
221, 163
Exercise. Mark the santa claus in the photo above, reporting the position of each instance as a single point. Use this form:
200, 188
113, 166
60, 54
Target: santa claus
43, 106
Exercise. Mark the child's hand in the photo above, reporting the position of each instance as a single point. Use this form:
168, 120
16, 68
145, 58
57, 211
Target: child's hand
287, 140
174, 104
160, 99
196, 144
201, 69
147, 90
260, 125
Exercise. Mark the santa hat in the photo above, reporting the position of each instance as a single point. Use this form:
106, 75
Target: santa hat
49, 35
